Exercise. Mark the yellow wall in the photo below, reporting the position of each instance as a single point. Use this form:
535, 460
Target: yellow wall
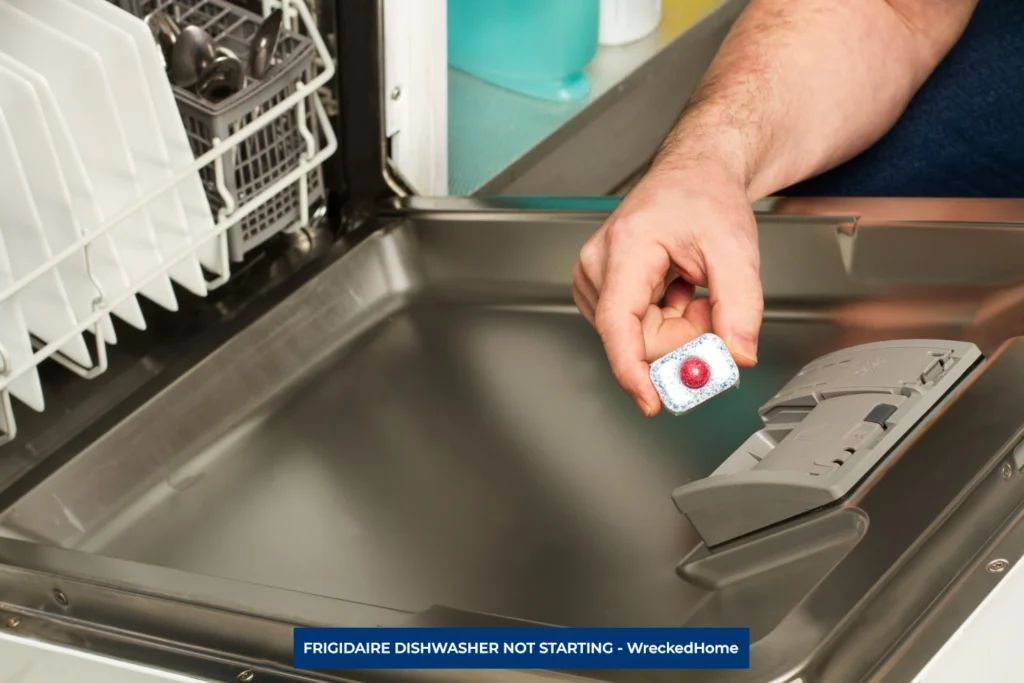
679, 15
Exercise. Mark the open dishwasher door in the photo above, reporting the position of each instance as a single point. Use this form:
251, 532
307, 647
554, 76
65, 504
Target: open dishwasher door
427, 433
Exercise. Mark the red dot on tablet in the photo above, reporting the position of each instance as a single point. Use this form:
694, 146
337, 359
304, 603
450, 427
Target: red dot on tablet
695, 373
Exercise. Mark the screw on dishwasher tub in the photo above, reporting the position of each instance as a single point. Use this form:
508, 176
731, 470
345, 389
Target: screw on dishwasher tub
246, 676
997, 566
13, 622
1006, 471
61, 599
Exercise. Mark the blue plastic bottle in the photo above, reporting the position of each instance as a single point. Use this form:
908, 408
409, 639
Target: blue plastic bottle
536, 47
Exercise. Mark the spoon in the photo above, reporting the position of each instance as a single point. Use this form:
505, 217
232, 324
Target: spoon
222, 77
193, 51
264, 44
165, 32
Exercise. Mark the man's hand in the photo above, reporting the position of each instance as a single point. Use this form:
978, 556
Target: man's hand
635, 279
773, 109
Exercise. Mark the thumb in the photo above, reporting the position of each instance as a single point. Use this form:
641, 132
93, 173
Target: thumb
737, 301
629, 284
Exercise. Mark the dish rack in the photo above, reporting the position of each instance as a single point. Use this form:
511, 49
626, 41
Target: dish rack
276, 149
258, 155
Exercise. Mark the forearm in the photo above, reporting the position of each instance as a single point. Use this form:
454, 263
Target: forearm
800, 86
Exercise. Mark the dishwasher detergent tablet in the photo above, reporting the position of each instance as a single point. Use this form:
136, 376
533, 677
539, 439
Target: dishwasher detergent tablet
694, 373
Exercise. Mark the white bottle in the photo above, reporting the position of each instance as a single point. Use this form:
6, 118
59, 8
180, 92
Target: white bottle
626, 21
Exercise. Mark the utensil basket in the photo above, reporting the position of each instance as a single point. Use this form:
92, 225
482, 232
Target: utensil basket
271, 152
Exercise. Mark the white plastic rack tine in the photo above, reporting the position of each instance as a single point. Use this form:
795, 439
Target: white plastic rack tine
310, 150
231, 214
100, 366
229, 206
8, 428
98, 302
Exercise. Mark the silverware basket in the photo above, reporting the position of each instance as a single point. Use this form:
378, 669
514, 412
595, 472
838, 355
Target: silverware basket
270, 153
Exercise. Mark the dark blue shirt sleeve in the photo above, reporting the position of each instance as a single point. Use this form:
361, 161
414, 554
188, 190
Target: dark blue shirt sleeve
962, 135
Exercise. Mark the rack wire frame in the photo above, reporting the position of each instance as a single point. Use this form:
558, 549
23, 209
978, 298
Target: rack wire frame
231, 213
274, 150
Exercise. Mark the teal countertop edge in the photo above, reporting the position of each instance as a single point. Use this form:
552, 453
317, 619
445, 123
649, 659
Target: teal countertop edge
490, 128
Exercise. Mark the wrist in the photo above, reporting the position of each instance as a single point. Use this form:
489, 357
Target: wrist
715, 145
714, 161
704, 169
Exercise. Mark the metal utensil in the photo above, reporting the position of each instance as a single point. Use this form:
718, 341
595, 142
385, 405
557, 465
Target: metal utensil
165, 32
193, 52
223, 77
264, 44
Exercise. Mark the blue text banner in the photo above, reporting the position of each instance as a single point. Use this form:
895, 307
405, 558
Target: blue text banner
522, 648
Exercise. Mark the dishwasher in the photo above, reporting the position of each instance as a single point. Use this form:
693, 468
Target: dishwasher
347, 403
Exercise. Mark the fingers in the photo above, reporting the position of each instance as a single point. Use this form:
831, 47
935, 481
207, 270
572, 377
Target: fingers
583, 305
593, 260
737, 302
627, 285
584, 293
698, 314
631, 278
678, 295
680, 320
586, 276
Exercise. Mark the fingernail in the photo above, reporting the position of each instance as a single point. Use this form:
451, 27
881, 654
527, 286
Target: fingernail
644, 408
743, 345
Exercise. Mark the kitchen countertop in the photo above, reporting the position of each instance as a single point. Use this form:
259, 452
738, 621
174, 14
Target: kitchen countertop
491, 129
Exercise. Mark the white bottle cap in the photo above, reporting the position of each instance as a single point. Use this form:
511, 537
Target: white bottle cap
626, 21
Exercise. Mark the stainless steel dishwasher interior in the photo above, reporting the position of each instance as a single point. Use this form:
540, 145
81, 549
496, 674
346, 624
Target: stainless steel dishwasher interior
430, 422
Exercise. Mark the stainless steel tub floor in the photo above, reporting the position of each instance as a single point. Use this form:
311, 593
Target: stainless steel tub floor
429, 422
460, 454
